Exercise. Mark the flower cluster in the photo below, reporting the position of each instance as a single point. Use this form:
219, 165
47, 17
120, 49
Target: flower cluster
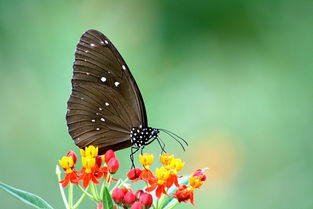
166, 176
126, 198
96, 169
91, 166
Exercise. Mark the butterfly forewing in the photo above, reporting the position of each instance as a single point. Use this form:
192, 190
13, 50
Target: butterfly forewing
105, 102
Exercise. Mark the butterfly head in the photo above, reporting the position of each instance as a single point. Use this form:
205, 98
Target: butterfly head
141, 135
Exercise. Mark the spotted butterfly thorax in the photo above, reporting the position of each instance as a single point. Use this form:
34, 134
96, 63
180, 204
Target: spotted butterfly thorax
105, 108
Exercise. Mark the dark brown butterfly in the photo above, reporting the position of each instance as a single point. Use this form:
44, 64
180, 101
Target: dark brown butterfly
106, 108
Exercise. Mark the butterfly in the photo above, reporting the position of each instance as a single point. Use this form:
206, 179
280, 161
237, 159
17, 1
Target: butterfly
106, 108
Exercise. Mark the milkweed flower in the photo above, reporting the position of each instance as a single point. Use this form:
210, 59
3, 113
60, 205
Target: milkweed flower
166, 158
175, 165
134, 174
68, 164
184, 193
160, 182
146, 160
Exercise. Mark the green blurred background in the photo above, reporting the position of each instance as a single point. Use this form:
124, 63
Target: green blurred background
234, 77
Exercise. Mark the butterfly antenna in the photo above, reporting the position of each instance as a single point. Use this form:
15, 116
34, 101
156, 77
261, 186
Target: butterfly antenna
174, 137
162, 145
173, 134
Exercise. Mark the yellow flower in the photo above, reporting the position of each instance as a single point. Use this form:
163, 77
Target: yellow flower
166, 158
146, 159
67, 164
162, 175
90, 151
195, 182
177, 164
88, 163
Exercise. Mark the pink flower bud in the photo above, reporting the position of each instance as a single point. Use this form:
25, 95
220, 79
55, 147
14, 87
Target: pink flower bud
100, 206
134, 173
199, 173
73, 155
129, 198
118, 195
138, 193
136, 205
108, 155
146, 200
113, 165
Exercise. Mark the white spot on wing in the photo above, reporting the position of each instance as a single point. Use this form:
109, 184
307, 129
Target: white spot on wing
92, 45
100, 108
93, 120
102, 119
106, 104
116, 83
106, 42
103, 79
97, 129
123, 66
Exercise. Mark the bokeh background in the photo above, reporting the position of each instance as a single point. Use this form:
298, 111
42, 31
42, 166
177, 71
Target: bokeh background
233, 77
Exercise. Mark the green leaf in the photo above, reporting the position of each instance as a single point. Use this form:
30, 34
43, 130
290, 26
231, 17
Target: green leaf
26, 197
168, 200
107, 200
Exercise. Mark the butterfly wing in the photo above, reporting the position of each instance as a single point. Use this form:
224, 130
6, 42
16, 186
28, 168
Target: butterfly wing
105, 102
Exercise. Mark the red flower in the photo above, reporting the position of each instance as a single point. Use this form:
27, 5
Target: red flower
199, 173
136, 205
160, 189
70, 177
183, 194
118, 195
146, 199
113, 165
172, 179
108, 155
134, 174
147, 176
129, 198
73, 155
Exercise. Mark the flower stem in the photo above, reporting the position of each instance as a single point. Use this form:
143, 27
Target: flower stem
70, 195
58, 172
93, 192
172, 206
85, 192
79, 200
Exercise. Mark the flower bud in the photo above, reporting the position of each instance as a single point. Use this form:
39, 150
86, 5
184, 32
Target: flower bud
108, 155
100, 206
113, 165
199, 173
136, 205
99, 161
138, 193
129, 198
146, 199
73, 155
118, 195
134, 173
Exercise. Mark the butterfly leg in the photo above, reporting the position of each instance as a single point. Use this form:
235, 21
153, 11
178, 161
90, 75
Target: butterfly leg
133, 151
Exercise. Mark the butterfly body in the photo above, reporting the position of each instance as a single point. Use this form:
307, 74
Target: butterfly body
142, 136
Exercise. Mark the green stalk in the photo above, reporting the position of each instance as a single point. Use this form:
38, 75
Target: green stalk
58, 173
70, 196
79, 201
172, 206
85, 192
93, 192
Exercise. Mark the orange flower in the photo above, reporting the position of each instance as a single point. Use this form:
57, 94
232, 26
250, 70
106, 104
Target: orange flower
183, 194
90, 170
159, 184
67, 163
